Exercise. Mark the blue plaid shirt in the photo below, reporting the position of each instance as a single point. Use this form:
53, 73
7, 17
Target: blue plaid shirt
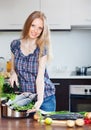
26, 68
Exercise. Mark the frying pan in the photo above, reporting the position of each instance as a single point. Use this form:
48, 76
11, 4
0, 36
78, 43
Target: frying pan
7, 112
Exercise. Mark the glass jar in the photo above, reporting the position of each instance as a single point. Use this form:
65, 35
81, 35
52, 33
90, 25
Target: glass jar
2, 64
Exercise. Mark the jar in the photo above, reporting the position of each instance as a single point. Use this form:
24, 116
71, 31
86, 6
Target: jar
2, 64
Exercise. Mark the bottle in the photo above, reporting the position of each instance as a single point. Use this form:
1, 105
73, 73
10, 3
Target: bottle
8, 66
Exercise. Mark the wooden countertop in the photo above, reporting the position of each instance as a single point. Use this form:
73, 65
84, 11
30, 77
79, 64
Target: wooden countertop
30, 124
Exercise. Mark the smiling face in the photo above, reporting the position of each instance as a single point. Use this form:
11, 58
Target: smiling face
36, 28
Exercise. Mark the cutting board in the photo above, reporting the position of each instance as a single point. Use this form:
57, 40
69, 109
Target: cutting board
57, 122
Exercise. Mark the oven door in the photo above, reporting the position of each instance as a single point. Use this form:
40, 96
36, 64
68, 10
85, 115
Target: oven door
80, 103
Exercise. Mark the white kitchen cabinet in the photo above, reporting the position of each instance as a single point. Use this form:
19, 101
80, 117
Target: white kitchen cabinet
81, 13
13, 13
57, 12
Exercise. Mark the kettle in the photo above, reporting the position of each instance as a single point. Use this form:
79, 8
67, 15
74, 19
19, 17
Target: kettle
2, 64
82, 70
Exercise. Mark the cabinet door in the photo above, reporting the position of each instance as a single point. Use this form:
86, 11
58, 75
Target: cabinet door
13, 13
81, 12
57, 12
62, 95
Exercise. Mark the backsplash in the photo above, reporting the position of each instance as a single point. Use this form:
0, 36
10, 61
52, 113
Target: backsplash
70, 48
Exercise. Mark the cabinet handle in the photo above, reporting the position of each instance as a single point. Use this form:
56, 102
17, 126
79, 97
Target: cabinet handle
56, 83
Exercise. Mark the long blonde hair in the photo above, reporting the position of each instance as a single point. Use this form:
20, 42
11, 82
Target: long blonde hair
44, 39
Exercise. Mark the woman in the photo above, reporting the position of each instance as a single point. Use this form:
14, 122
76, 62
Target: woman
29, 58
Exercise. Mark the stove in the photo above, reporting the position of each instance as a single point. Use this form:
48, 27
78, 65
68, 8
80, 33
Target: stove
80, 89
80, 98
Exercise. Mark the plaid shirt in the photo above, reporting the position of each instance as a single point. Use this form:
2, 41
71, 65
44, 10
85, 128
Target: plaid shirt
26, 68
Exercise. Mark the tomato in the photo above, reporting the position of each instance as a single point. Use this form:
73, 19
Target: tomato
86, 121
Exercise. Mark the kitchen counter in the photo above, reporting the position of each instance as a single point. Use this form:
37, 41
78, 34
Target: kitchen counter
68, 75
28, 123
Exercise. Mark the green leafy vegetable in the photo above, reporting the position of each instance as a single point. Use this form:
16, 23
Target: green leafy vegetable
23, 108
1, 83
7, 88
59, 112
11, 96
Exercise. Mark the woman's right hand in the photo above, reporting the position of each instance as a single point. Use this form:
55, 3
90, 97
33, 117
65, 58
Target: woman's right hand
13, 78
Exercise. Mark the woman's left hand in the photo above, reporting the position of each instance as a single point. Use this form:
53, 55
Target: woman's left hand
35, 108
31, 110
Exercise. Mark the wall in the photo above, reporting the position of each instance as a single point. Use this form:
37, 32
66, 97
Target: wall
70, 48
5, 40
